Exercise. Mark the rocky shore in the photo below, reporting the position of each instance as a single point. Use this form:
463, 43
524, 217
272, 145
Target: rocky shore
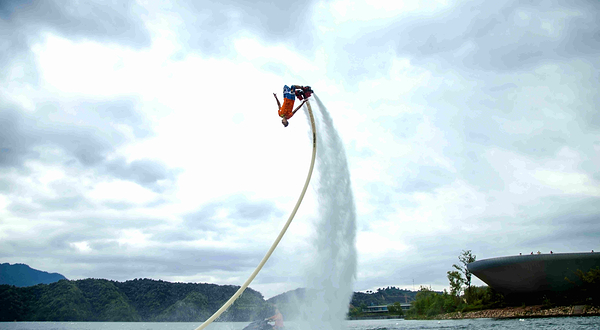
524, 312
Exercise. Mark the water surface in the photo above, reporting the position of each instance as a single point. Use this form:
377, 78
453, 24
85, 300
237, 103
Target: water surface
551, 323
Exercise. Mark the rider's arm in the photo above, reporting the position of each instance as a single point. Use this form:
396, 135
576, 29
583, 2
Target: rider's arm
298, 108
276, 99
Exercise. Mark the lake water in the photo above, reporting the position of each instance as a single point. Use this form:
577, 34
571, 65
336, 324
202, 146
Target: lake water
553, 323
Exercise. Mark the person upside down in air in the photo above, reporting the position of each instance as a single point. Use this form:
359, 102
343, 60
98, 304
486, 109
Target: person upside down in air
289, 97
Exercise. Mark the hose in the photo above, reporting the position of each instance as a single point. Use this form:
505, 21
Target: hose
283, 230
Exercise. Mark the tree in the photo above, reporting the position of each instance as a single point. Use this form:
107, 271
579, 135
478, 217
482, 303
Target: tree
395, 309
456, 282
355, 311
429, 303
589, 287
465, 258
460, 279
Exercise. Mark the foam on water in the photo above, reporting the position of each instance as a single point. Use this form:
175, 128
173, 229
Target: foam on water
332, 271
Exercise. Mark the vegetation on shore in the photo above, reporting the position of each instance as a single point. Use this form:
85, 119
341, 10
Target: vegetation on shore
430, 304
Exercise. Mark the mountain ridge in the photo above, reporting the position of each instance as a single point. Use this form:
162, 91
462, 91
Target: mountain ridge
22, 275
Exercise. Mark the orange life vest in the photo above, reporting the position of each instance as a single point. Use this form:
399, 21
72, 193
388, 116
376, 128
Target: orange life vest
286, 110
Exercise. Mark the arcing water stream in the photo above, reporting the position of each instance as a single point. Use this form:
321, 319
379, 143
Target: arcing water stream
331, 275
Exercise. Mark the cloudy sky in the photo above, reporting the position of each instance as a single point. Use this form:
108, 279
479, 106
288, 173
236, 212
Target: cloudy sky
141, 140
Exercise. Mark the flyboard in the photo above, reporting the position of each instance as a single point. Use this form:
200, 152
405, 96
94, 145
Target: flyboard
283, 230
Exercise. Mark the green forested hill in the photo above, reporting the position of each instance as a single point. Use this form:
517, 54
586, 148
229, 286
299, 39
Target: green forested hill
386, 296
156, 301
136, 300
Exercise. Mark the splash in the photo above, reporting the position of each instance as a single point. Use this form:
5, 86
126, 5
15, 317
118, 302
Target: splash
331, 275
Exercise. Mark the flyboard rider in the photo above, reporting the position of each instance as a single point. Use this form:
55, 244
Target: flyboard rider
289, 97
274, 322
277, 318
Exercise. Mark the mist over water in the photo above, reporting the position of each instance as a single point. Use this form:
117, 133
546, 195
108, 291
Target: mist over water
332, 270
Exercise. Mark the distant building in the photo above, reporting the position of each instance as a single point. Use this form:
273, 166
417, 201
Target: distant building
383, 308
534, 273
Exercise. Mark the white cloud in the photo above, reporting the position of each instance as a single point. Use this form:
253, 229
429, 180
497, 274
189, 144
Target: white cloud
121, 191
133, 239
568, 183
81, 247
345, 11
444, 144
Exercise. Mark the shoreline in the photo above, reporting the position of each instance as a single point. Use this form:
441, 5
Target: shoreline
374, 317
524, 312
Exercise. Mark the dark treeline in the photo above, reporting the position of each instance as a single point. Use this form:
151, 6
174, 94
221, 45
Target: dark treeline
385, 296
135, 300
149, 300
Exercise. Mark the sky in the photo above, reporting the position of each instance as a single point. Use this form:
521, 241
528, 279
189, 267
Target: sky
140, 139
